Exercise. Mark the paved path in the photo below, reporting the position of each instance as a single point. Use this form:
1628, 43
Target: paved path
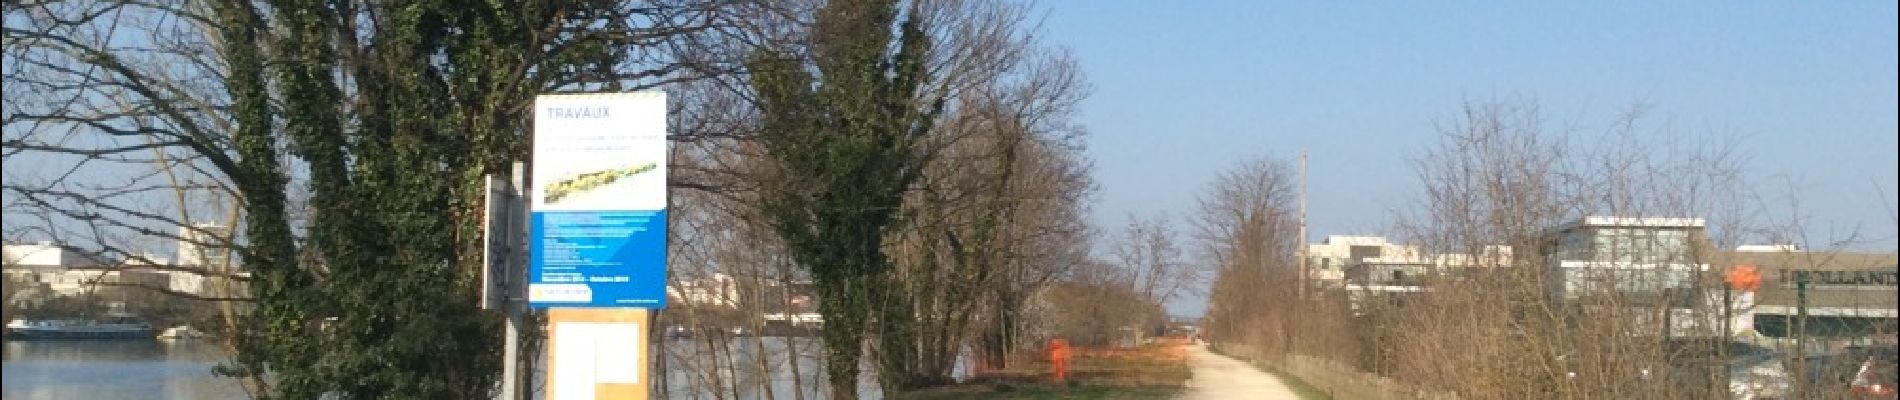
1217, 377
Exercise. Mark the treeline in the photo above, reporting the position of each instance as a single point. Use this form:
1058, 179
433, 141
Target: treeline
1491, 324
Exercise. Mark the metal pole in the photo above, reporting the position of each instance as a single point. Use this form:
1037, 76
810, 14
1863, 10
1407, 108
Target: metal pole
1728, 312
1801, 333
1304, 274
1299, 251
511, 368
513, 377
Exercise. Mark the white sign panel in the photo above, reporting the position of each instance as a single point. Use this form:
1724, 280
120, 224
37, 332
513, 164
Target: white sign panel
591, 353
598, 222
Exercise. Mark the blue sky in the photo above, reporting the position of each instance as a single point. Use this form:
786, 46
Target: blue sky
1186, 89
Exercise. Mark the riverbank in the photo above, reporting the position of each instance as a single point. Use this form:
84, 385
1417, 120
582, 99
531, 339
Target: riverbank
1155, 371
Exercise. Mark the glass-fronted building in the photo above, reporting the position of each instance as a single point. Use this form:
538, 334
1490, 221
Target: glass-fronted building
1627, 256
1634, 263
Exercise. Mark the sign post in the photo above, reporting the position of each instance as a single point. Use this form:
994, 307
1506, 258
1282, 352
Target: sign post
597, 238
504, 231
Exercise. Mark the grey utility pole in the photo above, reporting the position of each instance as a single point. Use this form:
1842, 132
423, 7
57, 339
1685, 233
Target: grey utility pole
1305, 273
505, 260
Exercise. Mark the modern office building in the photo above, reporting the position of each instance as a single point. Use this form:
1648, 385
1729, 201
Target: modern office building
1328, 262
1372, 267
1386, 280
1647, 269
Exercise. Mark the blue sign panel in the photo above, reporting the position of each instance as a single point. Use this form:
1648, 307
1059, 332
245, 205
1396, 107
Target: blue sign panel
598, 223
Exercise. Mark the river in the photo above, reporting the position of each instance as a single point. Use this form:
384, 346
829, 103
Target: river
110, 370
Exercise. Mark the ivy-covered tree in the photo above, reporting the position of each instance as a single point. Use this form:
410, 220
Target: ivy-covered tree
353, 136
842, 131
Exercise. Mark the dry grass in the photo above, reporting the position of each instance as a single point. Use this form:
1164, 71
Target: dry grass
1157, 371
1041, 391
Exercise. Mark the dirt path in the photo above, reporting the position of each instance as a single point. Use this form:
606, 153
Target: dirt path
1219, 377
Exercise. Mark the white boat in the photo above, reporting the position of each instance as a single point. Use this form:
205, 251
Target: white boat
113, 327
180, 332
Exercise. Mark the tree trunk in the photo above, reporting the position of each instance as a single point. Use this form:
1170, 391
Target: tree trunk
844, 337
897, 351
995, 342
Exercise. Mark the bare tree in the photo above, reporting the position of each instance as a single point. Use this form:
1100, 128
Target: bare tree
1148, 251
1501, 180
1522, 300
1246, 226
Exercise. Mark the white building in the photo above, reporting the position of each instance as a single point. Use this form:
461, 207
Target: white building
1386, 279
204, 244
1327, 262
716, 291
43, 254
177, 281
68, 273
1626, 254
1648, 263
1490, 256
208, 248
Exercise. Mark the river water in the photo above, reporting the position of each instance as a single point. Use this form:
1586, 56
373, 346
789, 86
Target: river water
108, 370
111, 370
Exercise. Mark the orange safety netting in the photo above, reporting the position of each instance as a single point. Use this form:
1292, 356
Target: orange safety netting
1743, 277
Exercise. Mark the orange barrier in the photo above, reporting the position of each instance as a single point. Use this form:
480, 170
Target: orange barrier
1059, 357
1171, 347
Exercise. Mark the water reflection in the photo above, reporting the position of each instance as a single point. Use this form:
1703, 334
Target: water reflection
696, 368
759, 368
113, 370
748, 368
